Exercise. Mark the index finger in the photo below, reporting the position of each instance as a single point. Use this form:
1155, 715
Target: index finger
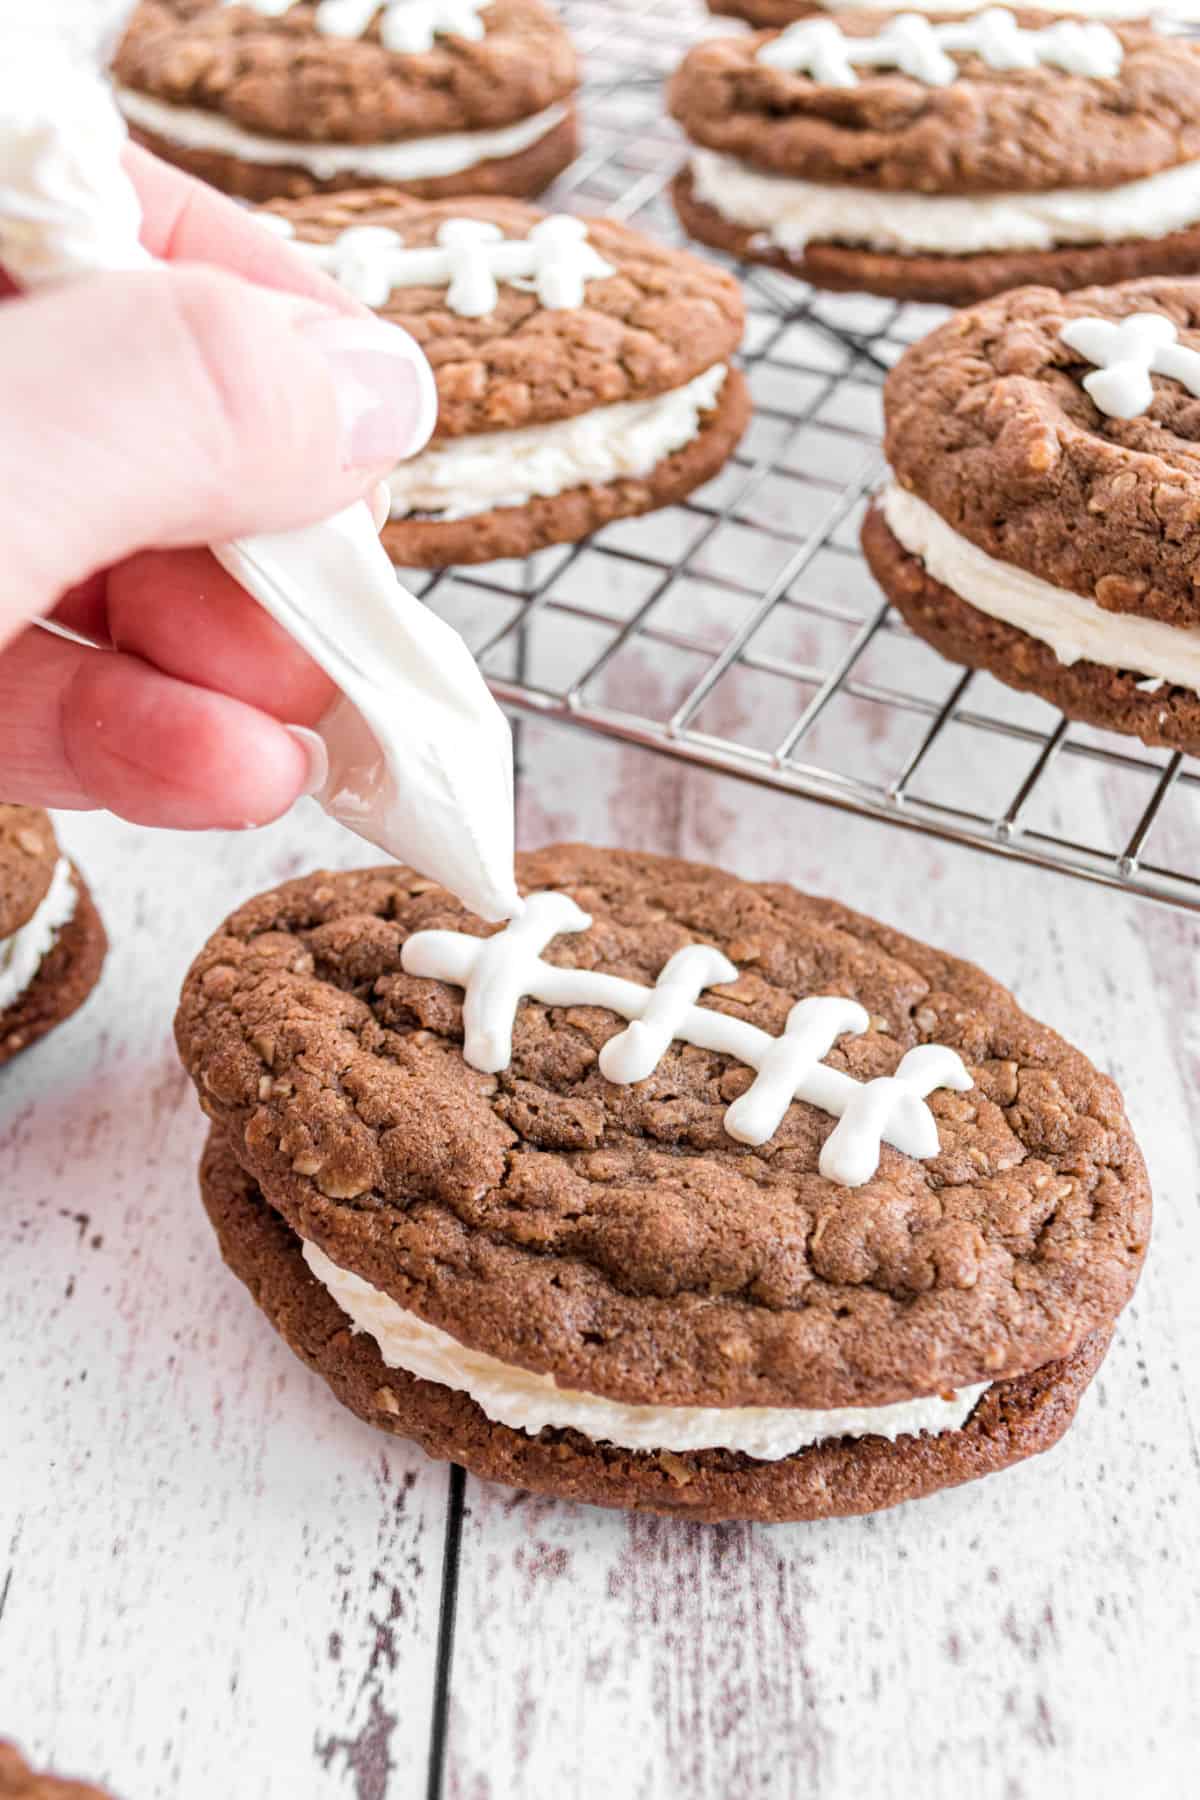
183, 220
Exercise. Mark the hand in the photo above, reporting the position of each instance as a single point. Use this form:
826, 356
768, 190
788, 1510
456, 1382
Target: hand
235, 391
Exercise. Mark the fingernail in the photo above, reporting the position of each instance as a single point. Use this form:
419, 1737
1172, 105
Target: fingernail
386, 391
380, 501
314, 749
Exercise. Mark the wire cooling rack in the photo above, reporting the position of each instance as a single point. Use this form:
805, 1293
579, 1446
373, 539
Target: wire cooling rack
740, 631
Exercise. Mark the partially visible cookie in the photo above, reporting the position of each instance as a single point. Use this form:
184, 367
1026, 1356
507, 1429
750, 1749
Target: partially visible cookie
773, 14
19, 1782
52, 942
1045, 495
285, 97
583, 370
680, 1192
945, 161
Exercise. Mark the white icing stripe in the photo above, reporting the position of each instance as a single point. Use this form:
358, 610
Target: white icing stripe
790, 214
463, 476
498, 972
1092, 9
1075, 629
911, 44
531, 1403
471, 257
22, 954
409, 159
406, 26
1126, 355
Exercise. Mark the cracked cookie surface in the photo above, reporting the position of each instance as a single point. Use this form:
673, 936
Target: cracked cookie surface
616, 1237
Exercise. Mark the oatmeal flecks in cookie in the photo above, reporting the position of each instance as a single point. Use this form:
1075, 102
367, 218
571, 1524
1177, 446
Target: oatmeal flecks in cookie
591, 1287
52, 943
582, 369
946, 159
267, 102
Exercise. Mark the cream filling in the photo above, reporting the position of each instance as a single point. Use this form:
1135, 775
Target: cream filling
1075, 629
22, 954
790, 214
1084, 9
531, 1403
508, 468
414, 159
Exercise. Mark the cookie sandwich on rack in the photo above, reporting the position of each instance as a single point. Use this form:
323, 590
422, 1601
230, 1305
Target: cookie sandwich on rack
583, 371
945, 160
52, 943
676, 1193
1041, 514
283, 97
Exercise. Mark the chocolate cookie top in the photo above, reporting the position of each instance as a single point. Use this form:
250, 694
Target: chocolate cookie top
284, 77
657, 318
990, 130
19, 1782
616, 1236
988, 421
28, 854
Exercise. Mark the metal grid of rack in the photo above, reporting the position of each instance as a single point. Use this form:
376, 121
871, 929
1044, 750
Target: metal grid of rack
740, 631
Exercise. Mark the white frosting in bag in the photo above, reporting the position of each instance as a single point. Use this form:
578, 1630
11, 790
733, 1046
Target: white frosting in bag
527, 1402
467, 475
1075, 628
406, 159
790, 214
22, 954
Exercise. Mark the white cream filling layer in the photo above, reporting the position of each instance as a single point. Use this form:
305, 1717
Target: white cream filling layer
471, 475
1075, 629
414, 159
1084, 9
531, 1403
22, 954
791, 214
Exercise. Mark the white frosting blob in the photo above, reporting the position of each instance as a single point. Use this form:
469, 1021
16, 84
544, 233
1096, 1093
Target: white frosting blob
791, 214
420, 755
531, 1403
470, 475
917, 48
1075, 629
412, 159
22, 954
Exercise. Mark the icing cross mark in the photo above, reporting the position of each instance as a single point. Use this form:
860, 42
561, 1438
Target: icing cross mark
1126, 355
910, 43
498, 972
555, 262
406, 27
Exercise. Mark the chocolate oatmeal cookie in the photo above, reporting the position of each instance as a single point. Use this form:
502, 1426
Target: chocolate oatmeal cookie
52, 943
19, 1782
574, 1275
946, 160
268, 99
1028, 530
593, 386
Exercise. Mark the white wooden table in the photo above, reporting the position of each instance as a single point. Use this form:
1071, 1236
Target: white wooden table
214, 1581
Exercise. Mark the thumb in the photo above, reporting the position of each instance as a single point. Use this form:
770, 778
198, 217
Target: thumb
185, 406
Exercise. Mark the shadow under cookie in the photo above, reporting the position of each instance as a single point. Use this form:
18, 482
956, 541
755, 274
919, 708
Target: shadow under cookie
939, 280
66, 976
1015, 1419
